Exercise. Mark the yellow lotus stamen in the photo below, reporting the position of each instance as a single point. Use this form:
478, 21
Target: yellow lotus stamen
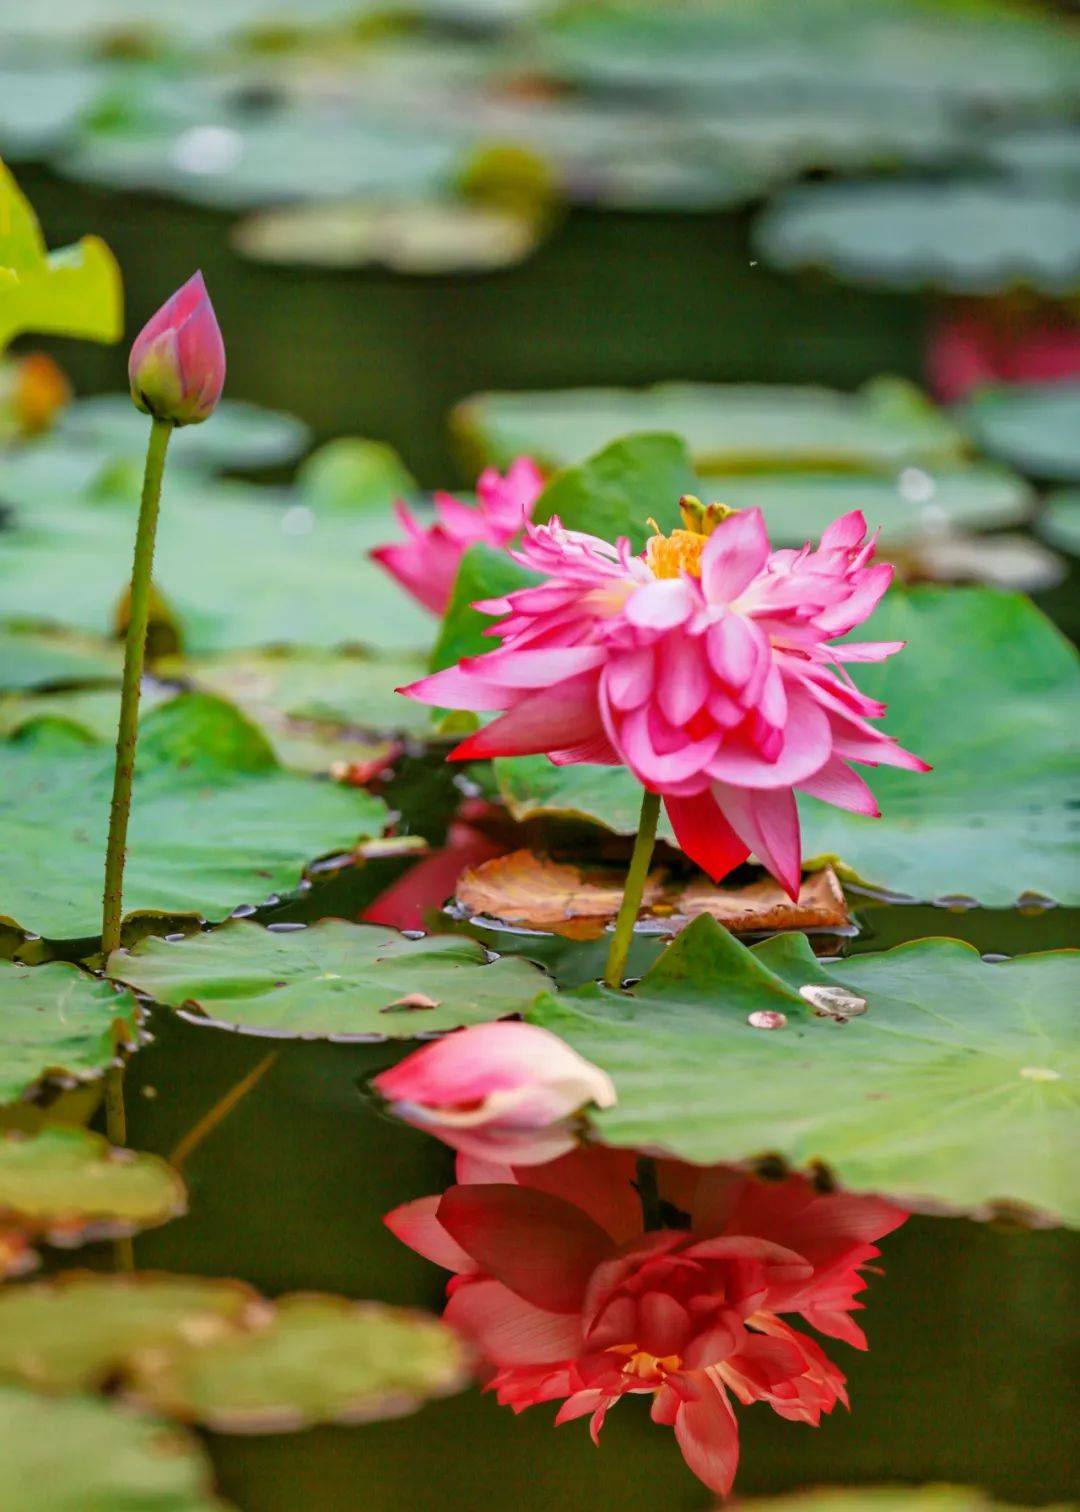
669, 556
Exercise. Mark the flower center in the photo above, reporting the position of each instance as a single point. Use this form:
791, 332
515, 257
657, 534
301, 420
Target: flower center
645, 1366
669, 556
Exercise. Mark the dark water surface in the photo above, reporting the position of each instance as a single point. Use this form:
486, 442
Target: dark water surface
967, 1374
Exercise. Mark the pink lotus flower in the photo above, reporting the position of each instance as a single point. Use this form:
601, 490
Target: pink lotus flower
968, 351
569, 1298
707, 665
426, 563
502, 1091
177, 363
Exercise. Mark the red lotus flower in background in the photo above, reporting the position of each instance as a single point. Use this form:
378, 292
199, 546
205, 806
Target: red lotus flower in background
501, 1091
177, 363
707, 665
569, 1298
969, 350
426, 563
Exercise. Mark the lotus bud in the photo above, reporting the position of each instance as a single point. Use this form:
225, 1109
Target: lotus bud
507, 1092
177, 363
701, 518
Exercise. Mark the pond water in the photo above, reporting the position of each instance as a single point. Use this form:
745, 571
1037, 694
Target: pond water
966, 1378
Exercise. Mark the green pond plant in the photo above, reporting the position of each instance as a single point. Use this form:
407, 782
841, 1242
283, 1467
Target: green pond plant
177, 373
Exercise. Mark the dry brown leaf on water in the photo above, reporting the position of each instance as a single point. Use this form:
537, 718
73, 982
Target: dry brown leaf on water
537, 893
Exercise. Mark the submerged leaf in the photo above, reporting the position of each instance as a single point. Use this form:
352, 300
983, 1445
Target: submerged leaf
333, 980
954, 1089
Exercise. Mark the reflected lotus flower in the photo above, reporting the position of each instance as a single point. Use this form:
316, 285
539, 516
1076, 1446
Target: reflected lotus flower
569, 1298
177, 363
969, 350
707, 665
502, 1091
426, 563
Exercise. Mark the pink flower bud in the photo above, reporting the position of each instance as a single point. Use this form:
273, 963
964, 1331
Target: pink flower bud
507, 1092
177, 363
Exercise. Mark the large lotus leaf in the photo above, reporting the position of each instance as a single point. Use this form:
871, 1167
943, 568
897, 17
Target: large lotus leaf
75, 291
417, 237
613, 493
58, 1021
913, 503
316, 1359
270, 575
947, 1086
967, 237
41, 107
247, 160
36, 659
71, 1185
215, 821
1047, 151
77, 1331
881, 1499
1035, 427
242, 436
77, 1454
726, 427
1059, 521
989, 693
332, 980
825, 52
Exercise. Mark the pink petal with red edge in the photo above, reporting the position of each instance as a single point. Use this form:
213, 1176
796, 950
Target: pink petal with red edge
705, 835
595, 1179
416, 1225
837, 784
544, 721
682, 685
707, 1433
509, 1331
733, 556
628, 678
807, 745
453, 688
660, 605
768, 822
865, 651
542, 1248
845, 533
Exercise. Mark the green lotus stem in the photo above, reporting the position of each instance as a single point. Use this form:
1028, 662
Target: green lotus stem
634, 890
127, 736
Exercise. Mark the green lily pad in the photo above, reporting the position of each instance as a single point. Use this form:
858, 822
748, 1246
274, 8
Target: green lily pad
1034, 427
42, 107
947, 1087
35, 659
316, 1359
240, 436
215, 821
880, 1499
279, 572
332, 980
58, 1022
987, 691
613, 493
916, 501
726, 427
966, 237
416, 237
77, 1331
1059, 521
76, 1454
71, 1186
352, 474
74, 291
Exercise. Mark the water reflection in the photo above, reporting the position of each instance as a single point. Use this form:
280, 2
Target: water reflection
602, 1275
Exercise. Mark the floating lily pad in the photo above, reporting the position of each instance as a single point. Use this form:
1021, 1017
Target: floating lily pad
79, 1330
58, 1021
879, 1499
950, 1084
215, 821
76, 1454
35, 659
989, 693
69, 1186
243, 436
433, 237
913, 502
726, 427
967, 237
279, 572
315, 1359
1035, 427
74, 291
353, 473
42, 107
613, 493
333, 980
1059, 521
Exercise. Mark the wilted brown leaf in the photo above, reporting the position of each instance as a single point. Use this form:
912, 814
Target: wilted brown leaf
535, 892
